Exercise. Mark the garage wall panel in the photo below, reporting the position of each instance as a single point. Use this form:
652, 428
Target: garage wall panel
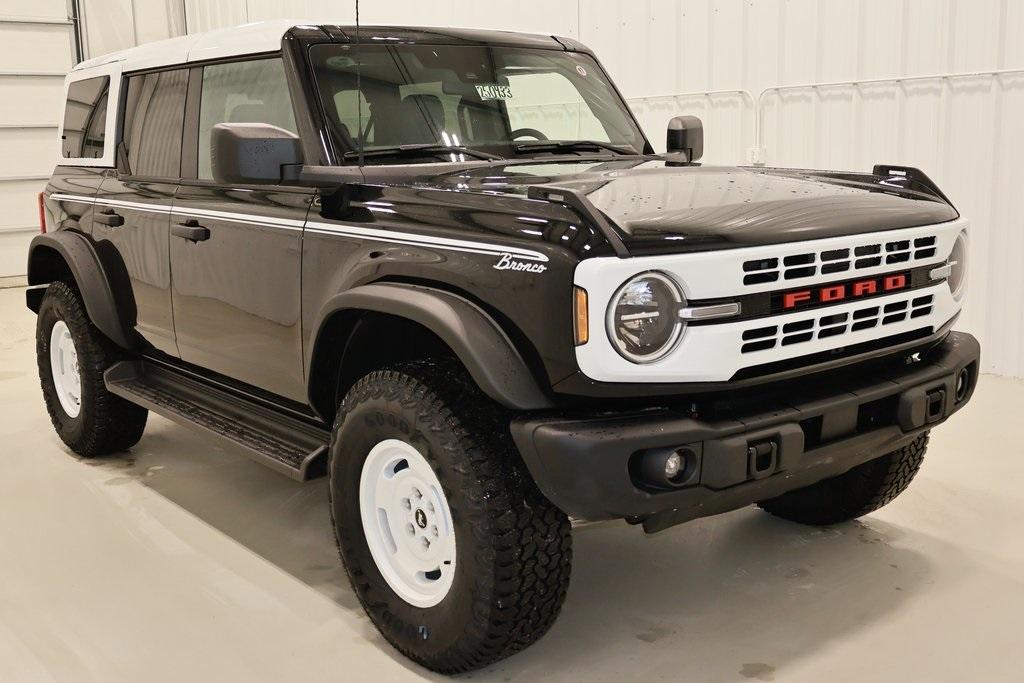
109, 26
35, 47
30, 100
34, 9
18, 199
36, 50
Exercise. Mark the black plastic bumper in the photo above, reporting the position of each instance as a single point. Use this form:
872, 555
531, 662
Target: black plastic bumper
589, 468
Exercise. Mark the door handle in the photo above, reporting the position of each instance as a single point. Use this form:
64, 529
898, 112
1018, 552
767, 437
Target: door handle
111, 218
191, 231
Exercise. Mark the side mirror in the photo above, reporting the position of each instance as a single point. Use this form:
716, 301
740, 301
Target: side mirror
686, 135
252, 153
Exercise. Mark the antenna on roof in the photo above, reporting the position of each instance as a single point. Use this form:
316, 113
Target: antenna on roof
359, 92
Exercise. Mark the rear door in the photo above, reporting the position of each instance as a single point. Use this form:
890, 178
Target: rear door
236, 291
133, 206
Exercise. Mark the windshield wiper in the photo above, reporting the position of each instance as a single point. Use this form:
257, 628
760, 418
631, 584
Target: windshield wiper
421, 150
569, 146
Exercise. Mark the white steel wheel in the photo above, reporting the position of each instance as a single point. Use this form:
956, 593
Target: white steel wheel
407, 523
67, 380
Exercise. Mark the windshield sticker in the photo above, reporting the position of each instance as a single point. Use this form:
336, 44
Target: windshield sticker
493, 91
580, 70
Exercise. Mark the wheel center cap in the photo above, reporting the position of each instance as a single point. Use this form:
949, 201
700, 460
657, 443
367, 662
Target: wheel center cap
421, 518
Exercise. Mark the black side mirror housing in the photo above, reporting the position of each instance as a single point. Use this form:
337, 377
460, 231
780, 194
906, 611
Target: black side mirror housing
252, 153
686, 136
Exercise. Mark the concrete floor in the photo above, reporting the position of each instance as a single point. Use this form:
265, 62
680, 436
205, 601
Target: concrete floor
183, 561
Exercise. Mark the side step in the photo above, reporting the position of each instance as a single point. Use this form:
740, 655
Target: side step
293, 447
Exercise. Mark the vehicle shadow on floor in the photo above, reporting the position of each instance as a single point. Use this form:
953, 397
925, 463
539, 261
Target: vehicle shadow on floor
735, 597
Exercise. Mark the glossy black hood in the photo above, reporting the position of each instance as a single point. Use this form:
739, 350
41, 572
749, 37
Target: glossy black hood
660, 207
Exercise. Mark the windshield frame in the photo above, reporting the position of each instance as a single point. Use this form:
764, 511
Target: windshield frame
340, 148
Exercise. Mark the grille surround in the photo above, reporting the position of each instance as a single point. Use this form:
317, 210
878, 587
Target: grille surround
712, 352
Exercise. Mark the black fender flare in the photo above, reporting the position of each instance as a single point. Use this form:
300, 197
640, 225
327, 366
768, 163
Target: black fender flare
91, 278
477, 340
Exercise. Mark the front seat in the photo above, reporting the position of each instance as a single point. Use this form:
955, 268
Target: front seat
421, 120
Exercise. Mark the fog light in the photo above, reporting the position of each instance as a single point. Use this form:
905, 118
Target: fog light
963, 384
667, 468
673, 465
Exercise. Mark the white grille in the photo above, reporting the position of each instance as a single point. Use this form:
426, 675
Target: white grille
835, 324
833, 261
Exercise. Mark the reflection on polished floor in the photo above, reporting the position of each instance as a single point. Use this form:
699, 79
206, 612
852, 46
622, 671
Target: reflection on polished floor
183, 561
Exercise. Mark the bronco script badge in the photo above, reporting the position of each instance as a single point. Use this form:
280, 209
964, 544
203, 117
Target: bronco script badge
509, 262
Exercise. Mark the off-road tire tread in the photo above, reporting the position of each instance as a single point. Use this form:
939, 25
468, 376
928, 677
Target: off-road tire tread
110, 423
853, 494
518, 533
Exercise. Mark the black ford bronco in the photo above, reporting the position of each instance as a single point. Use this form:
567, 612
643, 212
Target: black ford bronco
446, 269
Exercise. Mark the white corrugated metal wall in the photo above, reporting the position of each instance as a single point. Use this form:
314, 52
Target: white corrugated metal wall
747, 67
36, 49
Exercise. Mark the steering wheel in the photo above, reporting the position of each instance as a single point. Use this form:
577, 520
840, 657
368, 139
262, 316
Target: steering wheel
532, 132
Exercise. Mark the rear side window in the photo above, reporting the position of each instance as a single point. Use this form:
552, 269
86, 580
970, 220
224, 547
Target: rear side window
242, 92
154, 113
85, 118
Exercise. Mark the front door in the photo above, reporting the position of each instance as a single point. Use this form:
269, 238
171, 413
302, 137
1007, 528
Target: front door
236, 252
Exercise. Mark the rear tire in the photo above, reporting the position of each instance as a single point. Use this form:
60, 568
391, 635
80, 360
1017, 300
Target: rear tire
72, 356
863, 489
512, 548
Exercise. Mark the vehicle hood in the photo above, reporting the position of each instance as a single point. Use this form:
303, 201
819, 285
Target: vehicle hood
662, 207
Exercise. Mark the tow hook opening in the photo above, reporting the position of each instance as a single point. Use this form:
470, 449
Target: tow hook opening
762, 459
935, 407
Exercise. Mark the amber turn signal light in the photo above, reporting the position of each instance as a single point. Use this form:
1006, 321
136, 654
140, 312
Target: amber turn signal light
581, 322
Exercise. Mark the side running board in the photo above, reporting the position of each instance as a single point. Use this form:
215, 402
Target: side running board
293, 447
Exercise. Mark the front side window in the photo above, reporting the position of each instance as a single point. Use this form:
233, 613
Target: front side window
499, 100
85, 118
153, 117
242, 92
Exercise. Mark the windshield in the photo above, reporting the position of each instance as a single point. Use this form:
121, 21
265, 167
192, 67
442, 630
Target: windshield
492, 100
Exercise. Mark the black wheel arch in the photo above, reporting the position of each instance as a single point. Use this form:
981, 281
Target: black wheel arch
66, 254
447, 321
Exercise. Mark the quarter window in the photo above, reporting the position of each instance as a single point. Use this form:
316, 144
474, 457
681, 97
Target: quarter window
85, 118
153, 119
242, 92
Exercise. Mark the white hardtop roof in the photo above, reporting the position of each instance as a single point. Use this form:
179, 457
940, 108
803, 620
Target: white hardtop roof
262, 36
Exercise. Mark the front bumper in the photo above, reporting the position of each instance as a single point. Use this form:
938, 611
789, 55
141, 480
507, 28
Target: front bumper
588, 466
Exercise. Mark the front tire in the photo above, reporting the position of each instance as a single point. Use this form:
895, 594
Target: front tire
853, 494
501, 568
72, 356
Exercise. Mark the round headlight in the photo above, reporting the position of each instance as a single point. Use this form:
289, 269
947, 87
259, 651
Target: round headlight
957, 279
643, 317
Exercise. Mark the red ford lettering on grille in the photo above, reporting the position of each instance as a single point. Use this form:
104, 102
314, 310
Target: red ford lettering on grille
828, 294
